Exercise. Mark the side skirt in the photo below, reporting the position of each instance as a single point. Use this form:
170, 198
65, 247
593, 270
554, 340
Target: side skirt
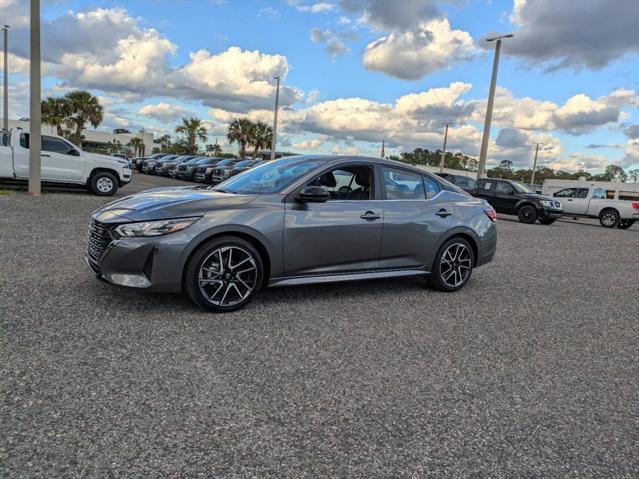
333, 278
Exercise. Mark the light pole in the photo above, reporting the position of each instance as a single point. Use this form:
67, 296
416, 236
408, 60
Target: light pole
277, 101
532, 177
5, 109
35, 112
441, 163
489, 107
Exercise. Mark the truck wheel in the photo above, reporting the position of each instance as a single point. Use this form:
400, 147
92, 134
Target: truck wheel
625, 224
609, 218
547, 221
103, 184
527, 214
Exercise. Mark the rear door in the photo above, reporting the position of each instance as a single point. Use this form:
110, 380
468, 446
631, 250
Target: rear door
485, 189
505, 199
579, 202
416, 215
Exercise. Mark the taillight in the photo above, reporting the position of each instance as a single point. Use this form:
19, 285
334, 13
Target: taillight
491, 213
635, 206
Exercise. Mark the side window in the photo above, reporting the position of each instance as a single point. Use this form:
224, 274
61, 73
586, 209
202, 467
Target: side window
403, 185
56, 145
598, 194
629, 195
24, 140
567, 193
484, 185
582, 193
347, 182
610, 194
504, 188
431, 187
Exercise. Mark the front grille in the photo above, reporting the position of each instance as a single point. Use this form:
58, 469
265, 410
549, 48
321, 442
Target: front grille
98, 238
181, 167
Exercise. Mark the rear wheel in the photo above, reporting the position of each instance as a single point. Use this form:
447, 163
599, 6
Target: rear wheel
609, 218
103, 183
224, 274
547, 221
453, 265
527, 214
625, 224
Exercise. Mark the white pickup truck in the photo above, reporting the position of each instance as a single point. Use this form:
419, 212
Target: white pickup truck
62, 163
609, 205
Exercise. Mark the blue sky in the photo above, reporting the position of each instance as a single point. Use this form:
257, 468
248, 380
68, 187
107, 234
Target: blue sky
356, 71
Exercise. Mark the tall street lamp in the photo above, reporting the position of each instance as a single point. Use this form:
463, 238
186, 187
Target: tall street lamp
441, 163
489, 108
5, 110
532, 177
277, 101
35, 113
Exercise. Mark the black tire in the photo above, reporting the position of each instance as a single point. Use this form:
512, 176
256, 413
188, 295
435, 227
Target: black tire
527, 214
209, 281
547, 221
609, 218
625, 224
103, 183
440, 277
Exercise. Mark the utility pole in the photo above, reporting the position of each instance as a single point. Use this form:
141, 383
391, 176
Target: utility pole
532, 177
5, 109
441, 163
277, 101
35, 112
489, 108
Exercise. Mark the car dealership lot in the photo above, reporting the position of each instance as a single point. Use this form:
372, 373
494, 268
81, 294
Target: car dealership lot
531, 370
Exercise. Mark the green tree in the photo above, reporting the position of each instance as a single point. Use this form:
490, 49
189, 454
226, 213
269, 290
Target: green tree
56, 112
633, 175
138, 146
240, 132
193, 130
261, 137
214, 149
615, 173
84, 108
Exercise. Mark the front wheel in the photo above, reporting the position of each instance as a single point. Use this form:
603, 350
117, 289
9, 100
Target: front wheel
625, 224
103, 184
527, 214
224, 274
453, 265
609, 218
547, 221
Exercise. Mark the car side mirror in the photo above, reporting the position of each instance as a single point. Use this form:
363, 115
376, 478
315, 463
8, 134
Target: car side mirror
313, 194
73, 152
511, 192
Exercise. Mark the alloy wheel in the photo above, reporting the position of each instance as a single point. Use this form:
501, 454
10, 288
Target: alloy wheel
455, 265
227, 276
608, 219
104, 185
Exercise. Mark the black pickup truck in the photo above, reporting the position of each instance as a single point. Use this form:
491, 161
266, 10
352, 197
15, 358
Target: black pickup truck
513, 198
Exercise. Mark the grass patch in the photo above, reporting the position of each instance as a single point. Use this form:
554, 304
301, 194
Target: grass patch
6, 192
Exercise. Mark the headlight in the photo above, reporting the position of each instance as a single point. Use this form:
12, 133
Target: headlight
154, 228
547, 203
208, 170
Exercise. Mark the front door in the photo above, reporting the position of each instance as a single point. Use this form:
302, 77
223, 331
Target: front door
415, 218
342, 235
567, 199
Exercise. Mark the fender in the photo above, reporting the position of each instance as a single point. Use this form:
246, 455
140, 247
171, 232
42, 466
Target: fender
457, 230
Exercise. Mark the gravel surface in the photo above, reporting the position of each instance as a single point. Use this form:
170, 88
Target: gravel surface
530, 371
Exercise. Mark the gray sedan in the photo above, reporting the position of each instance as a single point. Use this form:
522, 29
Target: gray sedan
297, 220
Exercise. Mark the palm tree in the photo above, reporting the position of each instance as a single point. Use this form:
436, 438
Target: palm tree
261, 137
194, 130
56, 112
84, 107
240, 132
138, 146
214, 149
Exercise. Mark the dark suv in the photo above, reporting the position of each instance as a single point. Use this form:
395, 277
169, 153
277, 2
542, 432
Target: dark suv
513, 198
465, 183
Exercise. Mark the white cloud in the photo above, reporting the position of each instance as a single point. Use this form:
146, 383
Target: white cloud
164, 111
413, 54
334, 43
312, 145
312, 8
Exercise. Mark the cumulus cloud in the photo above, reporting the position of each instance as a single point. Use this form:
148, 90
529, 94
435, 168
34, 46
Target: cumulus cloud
412, 54
575, 34
632, 131
334, 43
384, 15
312, 8
107, 50
311, 145
164, 111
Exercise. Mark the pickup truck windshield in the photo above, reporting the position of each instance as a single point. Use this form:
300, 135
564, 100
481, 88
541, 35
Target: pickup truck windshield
521, 188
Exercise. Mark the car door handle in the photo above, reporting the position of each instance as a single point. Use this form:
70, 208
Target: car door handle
370, 216
44, 154
443, 213
569, 199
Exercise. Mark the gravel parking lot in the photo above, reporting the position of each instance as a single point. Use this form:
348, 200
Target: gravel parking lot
530, 371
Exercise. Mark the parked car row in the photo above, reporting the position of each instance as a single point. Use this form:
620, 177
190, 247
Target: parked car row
202, 169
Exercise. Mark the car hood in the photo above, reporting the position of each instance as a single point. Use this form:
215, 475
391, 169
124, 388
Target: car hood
172, 202
535, 196
106, 158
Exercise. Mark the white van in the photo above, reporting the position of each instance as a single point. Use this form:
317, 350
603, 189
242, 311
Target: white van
62, 163
615, 204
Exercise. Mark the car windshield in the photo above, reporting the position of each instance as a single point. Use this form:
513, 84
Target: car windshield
243, 163
271, 177
520, 187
